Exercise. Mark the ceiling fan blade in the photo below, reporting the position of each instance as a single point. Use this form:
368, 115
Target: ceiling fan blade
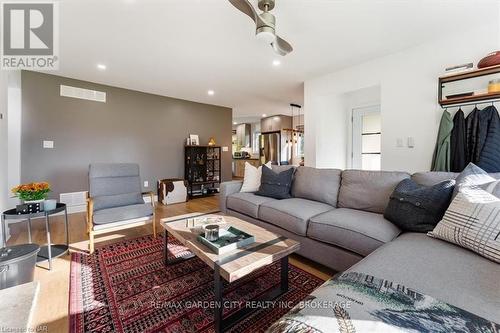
281, 46
245, 7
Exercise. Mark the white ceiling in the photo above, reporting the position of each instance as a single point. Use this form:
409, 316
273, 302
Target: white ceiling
183, 48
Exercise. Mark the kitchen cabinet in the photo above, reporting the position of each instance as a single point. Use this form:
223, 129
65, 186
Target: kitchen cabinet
275, 123
243, 135
239, 166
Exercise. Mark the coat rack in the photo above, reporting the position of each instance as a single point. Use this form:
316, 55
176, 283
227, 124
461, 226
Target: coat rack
490, 102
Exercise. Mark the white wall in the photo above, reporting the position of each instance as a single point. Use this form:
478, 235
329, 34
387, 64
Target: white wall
408, 98
3, 145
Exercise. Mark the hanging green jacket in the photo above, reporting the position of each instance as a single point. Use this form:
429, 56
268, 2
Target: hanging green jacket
441, 159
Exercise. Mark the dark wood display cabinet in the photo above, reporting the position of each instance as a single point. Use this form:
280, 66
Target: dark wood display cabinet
202, 170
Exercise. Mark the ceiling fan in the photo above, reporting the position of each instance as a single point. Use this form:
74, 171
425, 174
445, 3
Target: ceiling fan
265, 24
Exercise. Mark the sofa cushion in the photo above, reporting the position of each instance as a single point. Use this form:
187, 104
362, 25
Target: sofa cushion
431, 178
355, 230
317, 184
292, 214
368, 190
117, 214
442, 270
246, 203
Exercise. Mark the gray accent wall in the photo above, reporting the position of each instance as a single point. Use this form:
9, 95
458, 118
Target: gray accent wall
131, 127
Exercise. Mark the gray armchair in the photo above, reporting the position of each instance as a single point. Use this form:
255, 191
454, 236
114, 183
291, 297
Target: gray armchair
115, 200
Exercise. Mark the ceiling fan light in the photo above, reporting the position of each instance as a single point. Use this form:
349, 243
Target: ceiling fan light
266, 35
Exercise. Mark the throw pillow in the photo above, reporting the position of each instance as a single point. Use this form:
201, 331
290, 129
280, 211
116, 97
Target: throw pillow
472, 221
276, 184
493, 188
472, 175
251, 180
414, 207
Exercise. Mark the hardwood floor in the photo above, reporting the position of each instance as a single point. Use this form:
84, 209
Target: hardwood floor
51, 313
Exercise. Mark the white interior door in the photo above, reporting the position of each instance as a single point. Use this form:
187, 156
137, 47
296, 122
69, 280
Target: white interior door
366, 138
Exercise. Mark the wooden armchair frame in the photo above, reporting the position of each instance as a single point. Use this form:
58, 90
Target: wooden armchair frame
90, 218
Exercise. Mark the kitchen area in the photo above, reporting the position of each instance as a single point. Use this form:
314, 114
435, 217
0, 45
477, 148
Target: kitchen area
278, 138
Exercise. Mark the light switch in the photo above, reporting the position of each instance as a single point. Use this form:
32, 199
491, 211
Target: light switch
411, 142
146, 183
225, 148
48, 144
399, 142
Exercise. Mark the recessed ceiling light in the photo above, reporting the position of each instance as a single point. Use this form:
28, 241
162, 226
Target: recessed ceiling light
211, 92
264, 115
235, 123
101, 67
276, 62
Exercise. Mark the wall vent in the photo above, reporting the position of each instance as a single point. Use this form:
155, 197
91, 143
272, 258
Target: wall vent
74, 198
91, 95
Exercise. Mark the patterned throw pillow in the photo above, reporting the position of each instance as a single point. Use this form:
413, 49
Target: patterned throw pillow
493, 188
472, 221
472, 175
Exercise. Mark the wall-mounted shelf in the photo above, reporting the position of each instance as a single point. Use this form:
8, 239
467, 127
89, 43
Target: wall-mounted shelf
475, 98
465, 76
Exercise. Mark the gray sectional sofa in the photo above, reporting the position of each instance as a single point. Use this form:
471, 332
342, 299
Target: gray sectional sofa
336, 215
338, 218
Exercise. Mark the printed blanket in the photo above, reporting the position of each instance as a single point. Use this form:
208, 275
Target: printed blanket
356, 302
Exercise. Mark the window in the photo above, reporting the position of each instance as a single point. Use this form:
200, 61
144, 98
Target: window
366, 138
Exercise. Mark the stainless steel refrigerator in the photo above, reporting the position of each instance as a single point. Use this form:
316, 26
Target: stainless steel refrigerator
270, 148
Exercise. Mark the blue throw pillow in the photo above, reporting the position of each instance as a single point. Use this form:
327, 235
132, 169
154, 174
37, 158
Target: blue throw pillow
276, 185
419, 208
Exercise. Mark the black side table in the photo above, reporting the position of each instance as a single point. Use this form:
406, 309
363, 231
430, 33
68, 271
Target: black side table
50, 250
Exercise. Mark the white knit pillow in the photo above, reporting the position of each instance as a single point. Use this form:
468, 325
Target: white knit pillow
251, 182
472, 221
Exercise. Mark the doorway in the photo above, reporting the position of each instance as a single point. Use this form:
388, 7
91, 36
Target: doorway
366, 138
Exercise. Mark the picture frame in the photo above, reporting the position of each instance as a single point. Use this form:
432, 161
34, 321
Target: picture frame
195, 140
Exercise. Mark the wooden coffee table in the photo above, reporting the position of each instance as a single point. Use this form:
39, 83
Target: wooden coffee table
267, 249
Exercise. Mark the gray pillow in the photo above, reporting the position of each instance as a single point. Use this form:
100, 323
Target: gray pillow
276, 185
419, 208
471, 176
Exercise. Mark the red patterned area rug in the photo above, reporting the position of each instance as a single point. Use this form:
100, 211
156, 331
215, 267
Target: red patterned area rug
125, 287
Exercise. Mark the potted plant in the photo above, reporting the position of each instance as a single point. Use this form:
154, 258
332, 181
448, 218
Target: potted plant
32, 194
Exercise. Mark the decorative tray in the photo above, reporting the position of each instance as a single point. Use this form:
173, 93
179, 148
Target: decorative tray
229, 239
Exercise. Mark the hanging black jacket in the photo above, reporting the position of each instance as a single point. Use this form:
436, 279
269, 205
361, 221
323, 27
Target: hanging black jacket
489, 131
458, 143
472, 123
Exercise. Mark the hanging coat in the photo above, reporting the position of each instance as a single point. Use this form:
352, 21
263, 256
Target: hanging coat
458, 143
489, 129
472, 123
441, 159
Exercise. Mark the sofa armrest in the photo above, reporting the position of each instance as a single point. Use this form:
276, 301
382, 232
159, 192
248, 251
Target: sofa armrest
226, 189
